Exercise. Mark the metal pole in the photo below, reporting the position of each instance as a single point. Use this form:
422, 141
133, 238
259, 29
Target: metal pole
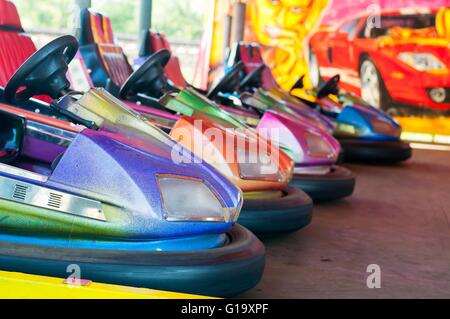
145, 20
82, 4
228, 21
78, 6
239, 21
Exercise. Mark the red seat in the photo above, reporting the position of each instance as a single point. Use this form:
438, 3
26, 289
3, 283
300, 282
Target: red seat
250, 55
105, 58
15, 46
153, 43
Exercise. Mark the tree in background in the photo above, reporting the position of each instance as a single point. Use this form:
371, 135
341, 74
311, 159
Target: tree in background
124, 14
178, 19
48, 14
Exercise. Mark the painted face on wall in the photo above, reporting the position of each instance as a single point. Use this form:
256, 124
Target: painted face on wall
276, 16
283, 27
287, 14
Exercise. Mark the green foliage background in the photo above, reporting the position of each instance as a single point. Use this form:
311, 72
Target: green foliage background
178, 19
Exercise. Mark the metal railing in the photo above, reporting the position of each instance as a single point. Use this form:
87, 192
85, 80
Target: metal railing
187, 51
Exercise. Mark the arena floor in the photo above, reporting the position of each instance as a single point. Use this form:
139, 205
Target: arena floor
398, 218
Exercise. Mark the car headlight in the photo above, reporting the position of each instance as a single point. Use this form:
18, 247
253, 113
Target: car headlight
187, 199
344, 129
385, 128
438, 95
318, 147
421, 61
254, 165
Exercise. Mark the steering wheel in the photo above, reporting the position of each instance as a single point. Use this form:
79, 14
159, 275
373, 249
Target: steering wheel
229, 83
149, 78
331, 87
44, 73
253, 79
300, 84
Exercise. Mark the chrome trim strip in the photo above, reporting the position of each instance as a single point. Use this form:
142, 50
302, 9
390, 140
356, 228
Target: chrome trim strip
4, 168
50, 133
42, 197
313, 170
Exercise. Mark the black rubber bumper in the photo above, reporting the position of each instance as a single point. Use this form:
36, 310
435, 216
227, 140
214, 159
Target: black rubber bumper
221, 272
376, 152
286, 214
337, 184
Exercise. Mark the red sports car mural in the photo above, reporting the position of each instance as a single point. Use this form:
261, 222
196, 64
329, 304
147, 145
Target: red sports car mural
403, 60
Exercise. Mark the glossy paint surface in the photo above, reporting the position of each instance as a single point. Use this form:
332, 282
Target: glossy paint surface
189, 102
174, 244
183, 130
119, 168
104, 166
219, 146
358, 112
192, 104
384, 51
289, 130
292, 136
24, 286
363, 118
186, 133
301, 109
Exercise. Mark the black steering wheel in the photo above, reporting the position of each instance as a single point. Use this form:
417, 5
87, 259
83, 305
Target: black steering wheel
253, 79
44, 73
300, 84
330, 87
149, 78
229, 83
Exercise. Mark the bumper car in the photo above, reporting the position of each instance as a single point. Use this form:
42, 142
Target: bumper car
366, 134
256, 166
314, 150
113, 201
270, 205
24, 286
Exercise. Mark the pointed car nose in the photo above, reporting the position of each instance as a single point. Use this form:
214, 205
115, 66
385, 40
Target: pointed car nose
370, 123
304, 142
123, 172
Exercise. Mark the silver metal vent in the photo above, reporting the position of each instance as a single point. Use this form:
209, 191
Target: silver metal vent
20, 192
54, 200
43, 197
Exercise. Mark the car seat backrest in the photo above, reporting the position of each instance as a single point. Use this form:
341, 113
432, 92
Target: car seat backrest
159, 42
152, 42
250, 55
9, 17
97, 29
15, 46
103, 57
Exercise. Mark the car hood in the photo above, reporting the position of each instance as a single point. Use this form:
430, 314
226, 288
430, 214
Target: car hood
370, 122
122, 171
300, 139
220, 145
393, 46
